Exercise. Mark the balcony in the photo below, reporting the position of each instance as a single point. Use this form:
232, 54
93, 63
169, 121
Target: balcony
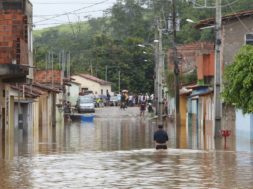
13, 73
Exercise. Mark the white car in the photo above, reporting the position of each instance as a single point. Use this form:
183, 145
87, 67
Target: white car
85, 104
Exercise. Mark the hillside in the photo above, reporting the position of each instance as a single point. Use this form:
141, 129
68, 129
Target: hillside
107, 45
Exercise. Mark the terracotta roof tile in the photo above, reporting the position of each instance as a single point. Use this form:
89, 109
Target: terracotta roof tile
211, 21
95, 79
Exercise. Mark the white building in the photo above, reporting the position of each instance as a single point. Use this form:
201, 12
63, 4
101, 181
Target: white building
73, 92
94, 84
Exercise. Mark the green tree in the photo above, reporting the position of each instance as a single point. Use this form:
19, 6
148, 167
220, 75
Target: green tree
111, 41
238, 81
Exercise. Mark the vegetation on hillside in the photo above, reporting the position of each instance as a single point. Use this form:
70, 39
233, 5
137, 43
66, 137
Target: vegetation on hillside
107, 47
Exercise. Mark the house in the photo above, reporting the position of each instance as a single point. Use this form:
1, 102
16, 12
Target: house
188, 55
22, 108
92, 83
200, 115
31, 107
54, 80
15, 59
73, 92
196, 99
236, 32
194, 56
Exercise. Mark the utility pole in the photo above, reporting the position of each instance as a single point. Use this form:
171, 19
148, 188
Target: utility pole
52, 69
156, 74
176, 69
156, 57
68, 65
217, 79
119, 82
160, 73
106, 68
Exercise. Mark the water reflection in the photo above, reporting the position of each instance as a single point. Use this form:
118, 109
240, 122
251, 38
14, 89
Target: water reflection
147, 168
118, 152
104, 135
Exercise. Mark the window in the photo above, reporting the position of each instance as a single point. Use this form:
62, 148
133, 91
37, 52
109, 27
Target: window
102, 91
249, 39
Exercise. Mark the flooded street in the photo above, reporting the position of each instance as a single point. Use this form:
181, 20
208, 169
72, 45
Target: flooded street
116, 150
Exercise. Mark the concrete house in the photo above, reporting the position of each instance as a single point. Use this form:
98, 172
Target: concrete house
15, 60
196, 104
237, 30
92, 83
73, 92
54, 80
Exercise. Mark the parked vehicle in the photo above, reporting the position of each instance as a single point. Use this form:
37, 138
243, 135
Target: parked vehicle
85, 104
114, 101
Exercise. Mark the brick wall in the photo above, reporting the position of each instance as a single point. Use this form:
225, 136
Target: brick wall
189, 54
47, 76
13, 37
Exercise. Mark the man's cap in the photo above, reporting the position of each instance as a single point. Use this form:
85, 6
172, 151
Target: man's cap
160, 126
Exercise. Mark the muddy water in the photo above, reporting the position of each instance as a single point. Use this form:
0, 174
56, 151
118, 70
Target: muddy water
118, 152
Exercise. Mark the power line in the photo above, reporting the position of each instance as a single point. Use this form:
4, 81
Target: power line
101, 2
64, 3
197, 5
50, 15
238, 18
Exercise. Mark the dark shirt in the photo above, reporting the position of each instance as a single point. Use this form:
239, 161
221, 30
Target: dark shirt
143, 107
161, 136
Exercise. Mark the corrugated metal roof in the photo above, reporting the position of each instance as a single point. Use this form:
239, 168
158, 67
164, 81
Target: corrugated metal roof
201, 92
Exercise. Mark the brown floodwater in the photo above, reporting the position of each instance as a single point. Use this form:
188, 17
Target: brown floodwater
118, 152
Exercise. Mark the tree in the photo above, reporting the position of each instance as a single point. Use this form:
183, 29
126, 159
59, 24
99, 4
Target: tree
103, 46
238, 81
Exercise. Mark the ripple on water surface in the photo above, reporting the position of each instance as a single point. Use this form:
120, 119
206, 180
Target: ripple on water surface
148, 168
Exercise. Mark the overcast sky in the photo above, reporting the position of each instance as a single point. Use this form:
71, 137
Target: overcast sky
48, 13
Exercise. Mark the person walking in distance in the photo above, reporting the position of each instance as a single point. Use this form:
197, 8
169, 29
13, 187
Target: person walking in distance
161, 138
142, 108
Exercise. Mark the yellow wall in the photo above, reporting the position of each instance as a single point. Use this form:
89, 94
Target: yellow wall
183, 108
35, 109
9, 130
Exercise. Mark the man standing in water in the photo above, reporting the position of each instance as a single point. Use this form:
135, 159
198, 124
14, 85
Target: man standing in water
161, 137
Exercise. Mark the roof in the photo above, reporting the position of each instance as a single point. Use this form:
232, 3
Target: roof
73, 82
95, 79
196, 86
29, 91
201, 93
199, 45
229, 17
33, 90
47, 88
185, 91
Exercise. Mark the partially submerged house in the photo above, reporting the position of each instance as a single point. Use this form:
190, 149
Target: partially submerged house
237, 30
15, 61
196, 99
54, 80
